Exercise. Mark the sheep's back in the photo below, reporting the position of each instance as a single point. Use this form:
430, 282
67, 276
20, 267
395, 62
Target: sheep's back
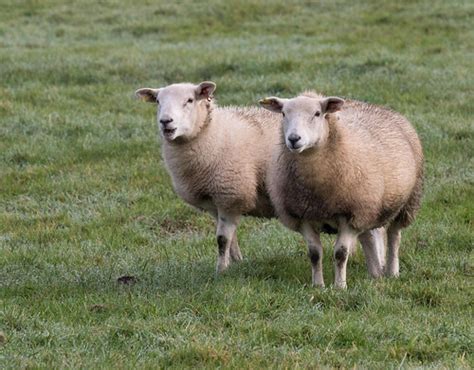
391, 149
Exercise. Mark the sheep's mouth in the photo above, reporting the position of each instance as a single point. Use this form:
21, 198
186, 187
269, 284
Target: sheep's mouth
298, 148
168, 133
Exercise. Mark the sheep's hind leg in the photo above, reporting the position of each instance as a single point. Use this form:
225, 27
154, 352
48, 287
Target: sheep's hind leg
315, 254
235, 253
226, 227
394, 236
372, 243
346, 239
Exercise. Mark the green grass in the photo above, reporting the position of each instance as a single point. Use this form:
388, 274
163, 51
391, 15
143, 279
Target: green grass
85, 198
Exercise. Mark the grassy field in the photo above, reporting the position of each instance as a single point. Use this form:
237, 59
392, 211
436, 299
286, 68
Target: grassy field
85, 198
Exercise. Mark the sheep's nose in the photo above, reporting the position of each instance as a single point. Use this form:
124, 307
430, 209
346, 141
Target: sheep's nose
293, 139
166, 120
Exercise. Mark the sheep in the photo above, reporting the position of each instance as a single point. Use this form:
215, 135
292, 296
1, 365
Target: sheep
216, 157
348, 164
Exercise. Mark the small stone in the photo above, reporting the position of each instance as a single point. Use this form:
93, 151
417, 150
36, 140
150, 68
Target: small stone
127, 280
98, 308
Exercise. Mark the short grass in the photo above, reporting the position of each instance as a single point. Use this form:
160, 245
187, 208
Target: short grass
85, 198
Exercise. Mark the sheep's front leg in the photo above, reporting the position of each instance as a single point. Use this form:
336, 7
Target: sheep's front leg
394, 236
374, 247
226, 227
315, 253
380, 245
235, 253
346, 239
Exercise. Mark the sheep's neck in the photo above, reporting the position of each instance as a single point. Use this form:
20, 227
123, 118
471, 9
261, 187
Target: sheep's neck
322, 164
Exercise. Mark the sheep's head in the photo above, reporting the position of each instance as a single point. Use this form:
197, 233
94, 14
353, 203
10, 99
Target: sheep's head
305, 121
182, 108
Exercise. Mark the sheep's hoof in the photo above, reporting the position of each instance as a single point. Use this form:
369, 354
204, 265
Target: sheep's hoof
221, 267
377, 274
340, 285
236, 257
220, 270
235, 254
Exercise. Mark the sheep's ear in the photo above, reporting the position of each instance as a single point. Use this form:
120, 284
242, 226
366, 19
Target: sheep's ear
332, 104
148, 95
205, 89
272, 103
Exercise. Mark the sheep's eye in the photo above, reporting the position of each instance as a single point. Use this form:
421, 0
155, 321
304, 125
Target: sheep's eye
157, 101
283, 114
190, 100
317, 114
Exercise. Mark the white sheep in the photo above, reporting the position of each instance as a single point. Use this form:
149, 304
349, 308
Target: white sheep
217, 157
347, 164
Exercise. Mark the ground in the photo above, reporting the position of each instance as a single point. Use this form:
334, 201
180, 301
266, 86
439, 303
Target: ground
85, 198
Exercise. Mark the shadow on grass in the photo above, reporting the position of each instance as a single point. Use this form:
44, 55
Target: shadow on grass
280, 271
172, 275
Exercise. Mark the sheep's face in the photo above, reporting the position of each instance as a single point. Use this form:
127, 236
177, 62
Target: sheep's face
181, 108
305, 123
